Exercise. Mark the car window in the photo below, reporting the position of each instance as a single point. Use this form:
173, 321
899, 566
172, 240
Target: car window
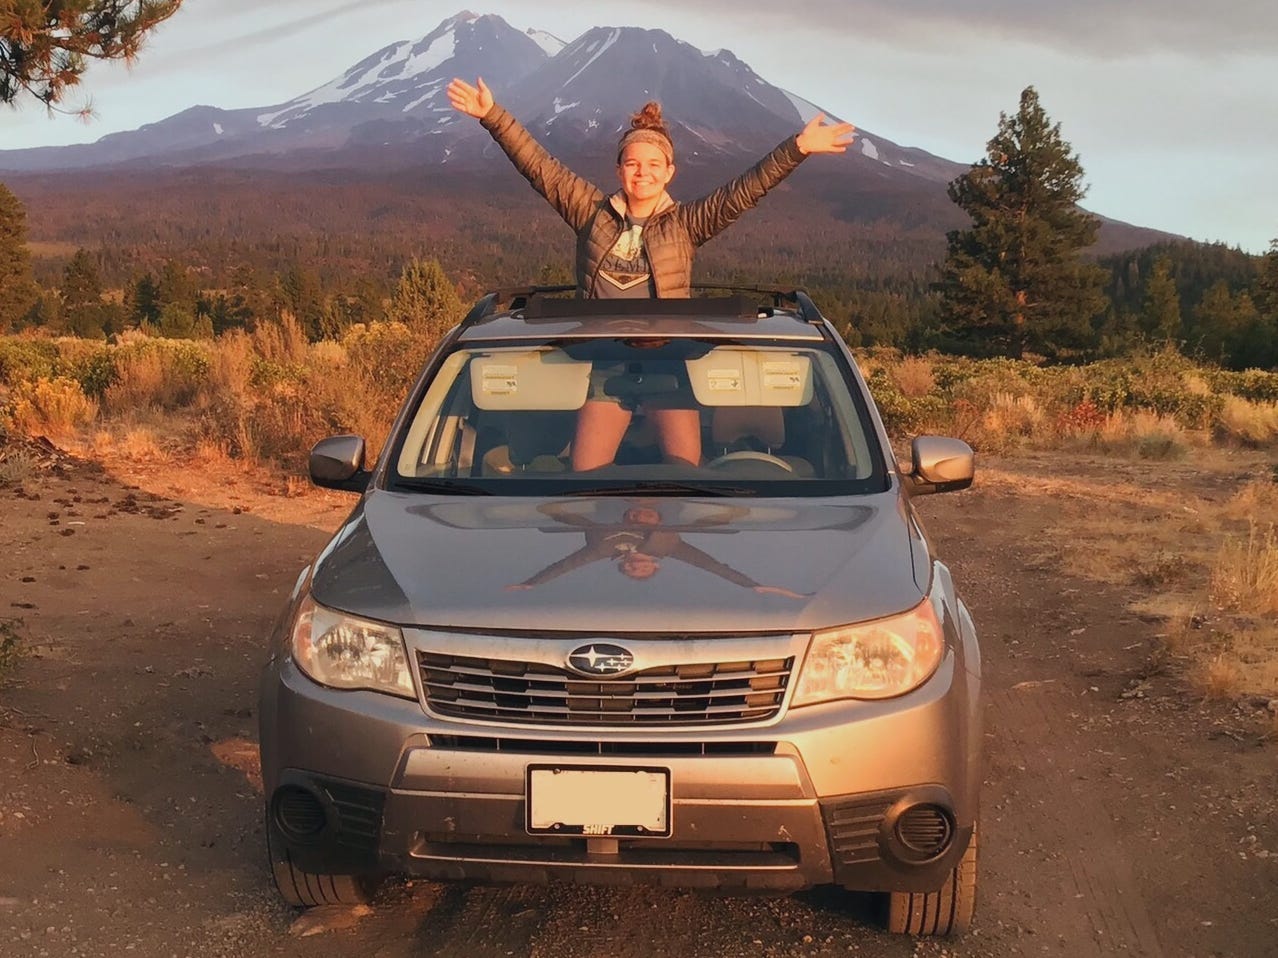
505, 418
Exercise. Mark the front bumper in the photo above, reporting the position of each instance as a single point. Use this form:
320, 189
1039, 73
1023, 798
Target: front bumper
361, 782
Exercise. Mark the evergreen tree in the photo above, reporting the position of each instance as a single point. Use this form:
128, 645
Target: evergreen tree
426, 299
82, 313
1015, 281
18, 291
143, 301
1160, 317
1266, 294
46, 46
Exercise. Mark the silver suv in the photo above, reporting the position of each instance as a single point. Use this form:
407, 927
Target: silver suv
750, 671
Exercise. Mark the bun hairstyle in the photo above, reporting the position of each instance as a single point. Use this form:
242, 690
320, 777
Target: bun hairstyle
647, 126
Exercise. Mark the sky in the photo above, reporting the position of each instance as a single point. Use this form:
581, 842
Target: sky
1171, 105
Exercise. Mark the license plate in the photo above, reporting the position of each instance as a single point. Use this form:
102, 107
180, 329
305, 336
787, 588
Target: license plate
598, 801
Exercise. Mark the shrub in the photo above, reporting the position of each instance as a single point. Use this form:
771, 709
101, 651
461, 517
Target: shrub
157, 374
26, 360
54, 407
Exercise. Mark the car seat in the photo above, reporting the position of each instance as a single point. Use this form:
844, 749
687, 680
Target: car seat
534, 442
758, 428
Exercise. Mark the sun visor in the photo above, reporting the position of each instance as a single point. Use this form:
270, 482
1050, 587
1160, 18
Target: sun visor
532, 379
751, 377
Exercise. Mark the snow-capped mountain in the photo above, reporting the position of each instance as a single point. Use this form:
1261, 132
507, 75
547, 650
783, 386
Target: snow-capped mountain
576, 97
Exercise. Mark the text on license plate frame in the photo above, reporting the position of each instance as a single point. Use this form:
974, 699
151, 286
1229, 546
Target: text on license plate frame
580, 800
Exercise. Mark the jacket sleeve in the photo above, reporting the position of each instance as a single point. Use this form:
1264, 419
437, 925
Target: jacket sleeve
572, 197
709, 216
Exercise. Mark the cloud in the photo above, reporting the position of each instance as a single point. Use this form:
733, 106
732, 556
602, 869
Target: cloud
1095, 27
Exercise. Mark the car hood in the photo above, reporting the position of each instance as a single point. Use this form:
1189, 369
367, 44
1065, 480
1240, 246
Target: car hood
621, 565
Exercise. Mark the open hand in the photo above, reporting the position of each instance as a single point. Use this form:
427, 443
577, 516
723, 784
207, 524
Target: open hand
472, 100
818, 136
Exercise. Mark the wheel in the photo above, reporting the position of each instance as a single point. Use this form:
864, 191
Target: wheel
303, 889
944, 912
750, 455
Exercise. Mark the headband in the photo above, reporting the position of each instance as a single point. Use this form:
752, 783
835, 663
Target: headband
645, 135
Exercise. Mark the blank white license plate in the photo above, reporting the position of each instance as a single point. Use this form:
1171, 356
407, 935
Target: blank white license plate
598, 801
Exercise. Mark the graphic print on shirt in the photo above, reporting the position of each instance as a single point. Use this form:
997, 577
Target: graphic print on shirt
625, 270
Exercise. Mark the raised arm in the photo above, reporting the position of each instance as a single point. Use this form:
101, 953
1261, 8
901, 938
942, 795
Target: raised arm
572, 197
710, 215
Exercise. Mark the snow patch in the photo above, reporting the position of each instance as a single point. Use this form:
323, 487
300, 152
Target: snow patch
347, 87
869, 149
435, 54
217, 128
904, 162
547, 41
430, 92
560, 105
612, 38
806, 110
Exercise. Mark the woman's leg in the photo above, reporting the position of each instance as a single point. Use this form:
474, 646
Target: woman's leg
679, 434
600, 426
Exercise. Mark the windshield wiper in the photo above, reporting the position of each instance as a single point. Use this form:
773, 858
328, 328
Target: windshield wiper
447, 487
664, 487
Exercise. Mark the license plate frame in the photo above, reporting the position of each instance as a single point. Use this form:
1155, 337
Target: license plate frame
580, 800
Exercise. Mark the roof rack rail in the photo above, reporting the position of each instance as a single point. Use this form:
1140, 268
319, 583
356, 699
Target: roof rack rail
521, 296
517, 296
780, 296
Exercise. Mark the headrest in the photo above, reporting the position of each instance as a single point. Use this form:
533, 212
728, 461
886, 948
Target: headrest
731, 423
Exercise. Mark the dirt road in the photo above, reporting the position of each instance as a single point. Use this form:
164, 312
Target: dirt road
1122, 815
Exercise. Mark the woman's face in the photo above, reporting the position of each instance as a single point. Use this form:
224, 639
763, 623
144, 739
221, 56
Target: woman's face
644, 172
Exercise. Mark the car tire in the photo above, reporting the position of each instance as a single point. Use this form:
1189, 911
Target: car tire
945, 912
303, 889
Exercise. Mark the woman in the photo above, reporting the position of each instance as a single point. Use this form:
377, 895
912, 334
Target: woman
638, 242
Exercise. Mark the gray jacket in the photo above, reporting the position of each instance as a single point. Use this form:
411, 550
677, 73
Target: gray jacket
674, 230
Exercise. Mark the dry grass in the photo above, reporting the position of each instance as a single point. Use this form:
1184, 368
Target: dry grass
1257, 498
153, 378
1245, 576
1252, 424
130, 440
1145, 435
915, 376
17, 466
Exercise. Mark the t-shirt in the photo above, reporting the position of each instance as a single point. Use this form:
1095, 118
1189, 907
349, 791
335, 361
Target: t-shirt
624, 272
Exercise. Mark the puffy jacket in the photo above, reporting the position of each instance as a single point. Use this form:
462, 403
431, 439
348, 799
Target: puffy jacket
673, 231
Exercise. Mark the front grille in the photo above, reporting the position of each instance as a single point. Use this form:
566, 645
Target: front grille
528, 746
499, 690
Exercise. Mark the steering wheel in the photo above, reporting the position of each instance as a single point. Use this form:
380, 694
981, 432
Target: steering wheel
749, 455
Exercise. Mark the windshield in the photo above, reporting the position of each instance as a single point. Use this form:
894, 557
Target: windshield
658, 415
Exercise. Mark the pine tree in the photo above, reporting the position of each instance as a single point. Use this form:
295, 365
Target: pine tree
426, 299
1266, 294
18, 291
82, 297
1015, 281
1160, 317
45, 46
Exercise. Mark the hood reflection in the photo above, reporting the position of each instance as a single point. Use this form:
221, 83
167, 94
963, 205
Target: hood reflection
640, 540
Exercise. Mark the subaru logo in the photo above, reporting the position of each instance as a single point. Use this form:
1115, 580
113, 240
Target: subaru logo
600, 659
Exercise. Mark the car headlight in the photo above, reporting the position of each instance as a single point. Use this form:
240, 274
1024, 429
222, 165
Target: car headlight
873, 660
346, 652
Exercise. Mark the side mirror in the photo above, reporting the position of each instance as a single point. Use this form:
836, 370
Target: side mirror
941, 464
338, 463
